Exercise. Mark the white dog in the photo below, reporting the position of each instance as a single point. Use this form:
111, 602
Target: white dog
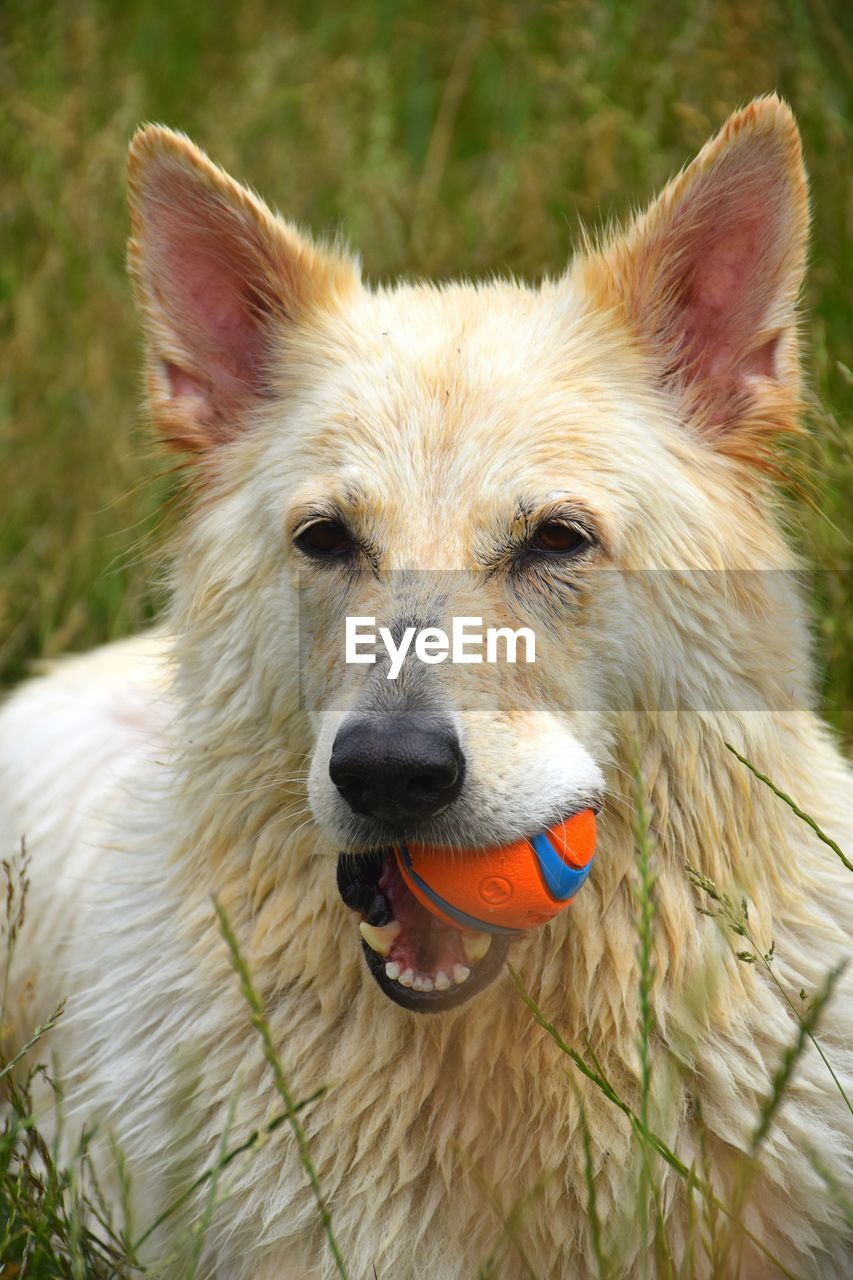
415, 454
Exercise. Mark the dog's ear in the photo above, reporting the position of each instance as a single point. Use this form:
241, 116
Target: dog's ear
221, 282
708, 279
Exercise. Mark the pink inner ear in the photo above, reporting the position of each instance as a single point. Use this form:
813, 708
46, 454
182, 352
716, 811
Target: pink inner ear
183, 386
207, 268
216, 317
726, 252
726, 305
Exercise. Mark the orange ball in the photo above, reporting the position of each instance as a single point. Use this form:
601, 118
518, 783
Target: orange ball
506, 888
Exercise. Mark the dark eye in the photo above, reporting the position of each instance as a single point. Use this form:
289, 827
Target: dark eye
558, 538
327, 539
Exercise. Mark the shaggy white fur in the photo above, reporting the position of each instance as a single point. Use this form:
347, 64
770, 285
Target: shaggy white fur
647, 384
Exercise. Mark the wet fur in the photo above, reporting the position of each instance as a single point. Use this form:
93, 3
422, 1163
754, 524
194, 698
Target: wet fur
150, 774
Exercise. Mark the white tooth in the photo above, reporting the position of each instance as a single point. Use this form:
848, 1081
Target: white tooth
428, 984
476, 945
380, 937
460, 973
406, 978
442, 982
392, 969
419, 984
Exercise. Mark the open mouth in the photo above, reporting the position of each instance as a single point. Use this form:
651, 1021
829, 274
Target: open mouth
419, 961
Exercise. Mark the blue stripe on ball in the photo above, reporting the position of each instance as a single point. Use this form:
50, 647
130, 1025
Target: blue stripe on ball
562, 880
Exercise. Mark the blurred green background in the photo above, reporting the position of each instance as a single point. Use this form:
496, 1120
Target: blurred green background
439, 138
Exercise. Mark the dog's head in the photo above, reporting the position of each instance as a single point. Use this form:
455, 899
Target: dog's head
540, 458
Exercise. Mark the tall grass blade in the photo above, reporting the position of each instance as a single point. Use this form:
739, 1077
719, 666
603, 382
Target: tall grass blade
254, 1139
809, 821
598, 1078
737, 919
261, 1025
601, 1264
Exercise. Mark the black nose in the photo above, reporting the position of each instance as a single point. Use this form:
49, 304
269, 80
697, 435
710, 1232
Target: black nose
397, 770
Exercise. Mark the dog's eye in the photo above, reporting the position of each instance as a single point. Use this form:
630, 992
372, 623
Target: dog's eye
327, 539
558, 538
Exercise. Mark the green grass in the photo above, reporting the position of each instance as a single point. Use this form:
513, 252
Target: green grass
55, 1222
448, 139
440, 140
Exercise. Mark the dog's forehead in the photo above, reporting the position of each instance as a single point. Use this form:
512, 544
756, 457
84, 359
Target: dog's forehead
435, 344
481, 387
434, 416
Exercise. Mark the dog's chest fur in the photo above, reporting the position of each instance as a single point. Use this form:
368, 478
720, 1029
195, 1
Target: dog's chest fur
462, 1129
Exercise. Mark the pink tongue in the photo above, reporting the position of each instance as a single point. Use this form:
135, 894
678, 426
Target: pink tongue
423, 944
